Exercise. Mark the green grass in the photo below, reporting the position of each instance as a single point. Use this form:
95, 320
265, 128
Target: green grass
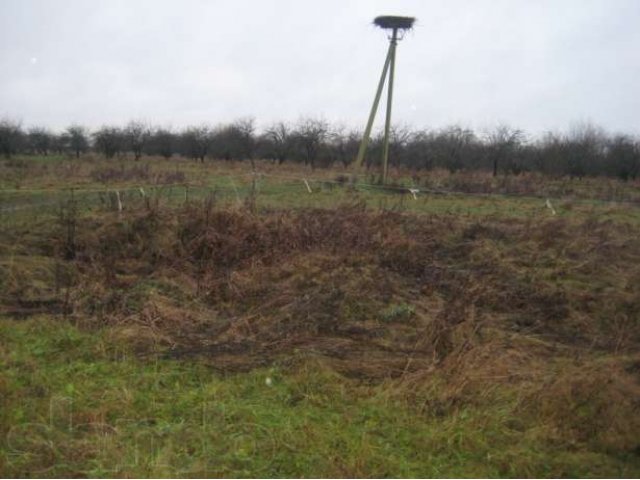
78, 404
31, 185
81, 402
22, 205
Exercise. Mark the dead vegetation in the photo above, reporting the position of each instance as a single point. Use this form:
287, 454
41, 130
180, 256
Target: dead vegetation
258, 279
446, 308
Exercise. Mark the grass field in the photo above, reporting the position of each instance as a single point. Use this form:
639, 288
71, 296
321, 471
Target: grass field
213, 320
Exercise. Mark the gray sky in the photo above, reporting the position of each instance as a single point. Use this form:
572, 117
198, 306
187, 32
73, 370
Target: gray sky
538, 65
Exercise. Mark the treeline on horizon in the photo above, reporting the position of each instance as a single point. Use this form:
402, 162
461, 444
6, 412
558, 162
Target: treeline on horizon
584, 151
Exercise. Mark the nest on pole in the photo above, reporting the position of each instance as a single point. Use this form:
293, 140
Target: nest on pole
396, 23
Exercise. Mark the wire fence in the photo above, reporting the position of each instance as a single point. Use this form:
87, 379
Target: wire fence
287, 190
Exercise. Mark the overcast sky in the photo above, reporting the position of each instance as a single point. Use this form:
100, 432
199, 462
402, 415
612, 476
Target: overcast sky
534, 64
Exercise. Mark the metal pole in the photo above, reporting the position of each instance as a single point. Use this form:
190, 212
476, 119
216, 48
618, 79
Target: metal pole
374, 109
387, 124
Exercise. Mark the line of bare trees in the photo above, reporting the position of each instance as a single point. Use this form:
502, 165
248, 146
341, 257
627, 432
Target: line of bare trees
584, 151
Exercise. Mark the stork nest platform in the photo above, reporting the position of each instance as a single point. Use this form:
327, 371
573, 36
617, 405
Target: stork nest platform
393, 22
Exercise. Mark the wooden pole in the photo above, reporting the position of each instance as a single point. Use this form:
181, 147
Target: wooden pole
387, 124
374, 109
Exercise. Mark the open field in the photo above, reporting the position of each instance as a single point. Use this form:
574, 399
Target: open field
218, 320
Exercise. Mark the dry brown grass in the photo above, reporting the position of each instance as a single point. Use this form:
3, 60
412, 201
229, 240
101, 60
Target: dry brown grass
347, 283
447, 310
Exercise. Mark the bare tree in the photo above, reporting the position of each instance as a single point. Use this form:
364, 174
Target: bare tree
136, 135
78, 139
279, 139
234, 141
311, 134
550, 154
452, 147
585, 148
60, 143
39, 140
343, 144
503, 143
162, 142
11, 137
196, 141
109, 141
245, 128
399, 138
623, 157
419, 150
